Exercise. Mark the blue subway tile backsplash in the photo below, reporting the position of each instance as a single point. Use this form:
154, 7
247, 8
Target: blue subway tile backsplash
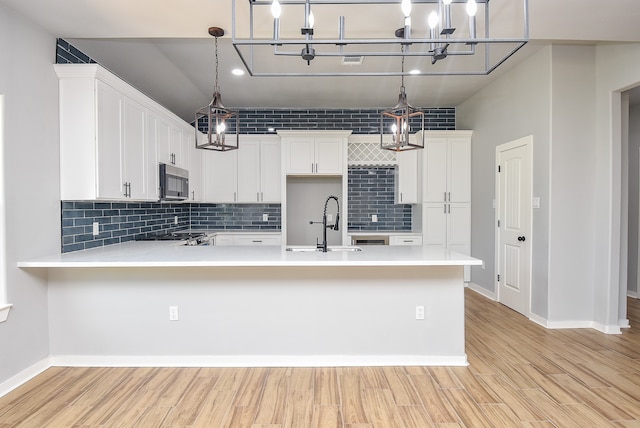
371, 190
126, 221
119, 222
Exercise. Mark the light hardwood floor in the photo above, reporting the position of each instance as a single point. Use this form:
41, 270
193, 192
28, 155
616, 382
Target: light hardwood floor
520, 375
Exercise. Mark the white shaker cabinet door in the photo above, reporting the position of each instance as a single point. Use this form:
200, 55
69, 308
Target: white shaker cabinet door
248, 171
134, 150
270, 172
328, 155
109, 135
435, 170
434, 225
220, 176
300, 156
459, 170
407, 177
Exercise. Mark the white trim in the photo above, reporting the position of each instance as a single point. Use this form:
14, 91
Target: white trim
5, 306
24, 376
561, 325
624, 323
257, 360
491, 295
633, 294
4, 311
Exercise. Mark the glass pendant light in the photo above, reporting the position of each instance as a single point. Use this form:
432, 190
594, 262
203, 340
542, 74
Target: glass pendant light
222, 124
397, 124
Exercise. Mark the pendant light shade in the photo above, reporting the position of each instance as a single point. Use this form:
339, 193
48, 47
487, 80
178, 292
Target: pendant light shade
220, 124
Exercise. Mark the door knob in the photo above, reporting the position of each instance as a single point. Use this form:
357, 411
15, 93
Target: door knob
521, 238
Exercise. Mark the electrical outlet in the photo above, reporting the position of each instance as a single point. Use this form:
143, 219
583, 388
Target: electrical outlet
265, 217
173, 313
175, 219
96, 228
419, 312
374, 218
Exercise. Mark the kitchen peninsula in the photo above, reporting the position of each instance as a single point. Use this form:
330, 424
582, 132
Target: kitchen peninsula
254, 306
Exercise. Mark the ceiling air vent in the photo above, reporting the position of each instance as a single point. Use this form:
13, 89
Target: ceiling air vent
352, 60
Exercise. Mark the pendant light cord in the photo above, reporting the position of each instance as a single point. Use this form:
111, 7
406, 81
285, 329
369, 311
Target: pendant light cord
216, 87
402, 69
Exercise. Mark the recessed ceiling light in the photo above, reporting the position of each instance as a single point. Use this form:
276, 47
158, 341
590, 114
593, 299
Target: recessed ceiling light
415, 71
237, 71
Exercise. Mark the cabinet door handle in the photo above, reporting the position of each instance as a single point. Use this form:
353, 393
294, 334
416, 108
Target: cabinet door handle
261, 197
258, 196
193, 195
445, 196
235, 199
449, 194
445, 208
257, 241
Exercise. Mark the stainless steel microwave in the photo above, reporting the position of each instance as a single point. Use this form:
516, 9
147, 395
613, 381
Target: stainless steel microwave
174, 183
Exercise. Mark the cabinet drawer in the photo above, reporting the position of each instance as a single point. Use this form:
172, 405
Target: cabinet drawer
247, 239
405, 240
257, 240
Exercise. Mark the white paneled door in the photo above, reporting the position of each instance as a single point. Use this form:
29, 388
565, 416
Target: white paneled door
514, 224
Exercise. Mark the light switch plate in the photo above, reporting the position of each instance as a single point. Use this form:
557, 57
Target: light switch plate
374, 218
96, 228
265, 217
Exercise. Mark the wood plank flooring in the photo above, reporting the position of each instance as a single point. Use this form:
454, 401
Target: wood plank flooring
520, 375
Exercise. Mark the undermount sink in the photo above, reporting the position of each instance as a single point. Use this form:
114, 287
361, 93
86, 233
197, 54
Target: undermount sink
314, 249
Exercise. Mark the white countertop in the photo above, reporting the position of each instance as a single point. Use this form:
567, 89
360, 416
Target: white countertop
174, 254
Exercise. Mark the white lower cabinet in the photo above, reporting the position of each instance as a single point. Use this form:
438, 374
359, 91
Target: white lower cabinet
247, 239
405, 239
448, 226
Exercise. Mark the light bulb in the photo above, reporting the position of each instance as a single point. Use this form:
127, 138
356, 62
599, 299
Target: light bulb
472, 7
221, 128
394, 129
276, 10
406, 7
312, 20
433, 19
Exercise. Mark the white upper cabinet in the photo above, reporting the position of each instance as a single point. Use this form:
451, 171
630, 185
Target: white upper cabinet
314, 152
108, 142
406, 183
446, 166
196, 181
250, 174
220, 174
113, 136
135, 149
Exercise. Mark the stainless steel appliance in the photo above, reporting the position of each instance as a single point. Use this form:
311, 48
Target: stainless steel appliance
370, 240
174, 183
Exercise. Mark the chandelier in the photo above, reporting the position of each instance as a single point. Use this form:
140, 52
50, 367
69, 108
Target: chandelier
437, 37
402, 121
216, 118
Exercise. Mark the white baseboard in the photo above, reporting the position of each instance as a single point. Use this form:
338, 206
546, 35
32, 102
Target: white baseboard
257, 360
24, 376
482, 291
558, 325
633, 294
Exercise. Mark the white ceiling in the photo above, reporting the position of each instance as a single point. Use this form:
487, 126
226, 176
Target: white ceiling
163, 49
